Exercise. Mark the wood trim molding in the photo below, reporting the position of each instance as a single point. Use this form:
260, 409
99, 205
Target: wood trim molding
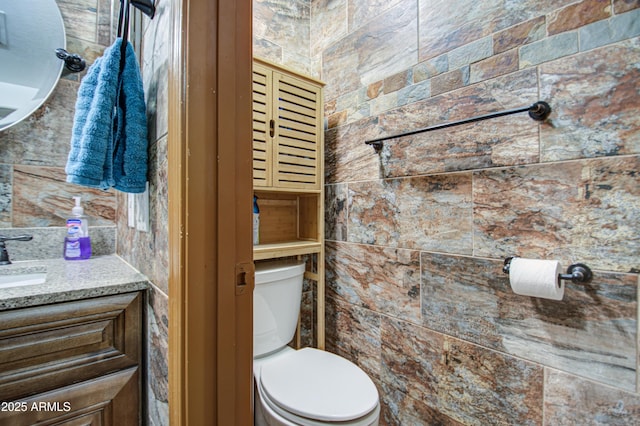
235, 215
176, 140
210, 192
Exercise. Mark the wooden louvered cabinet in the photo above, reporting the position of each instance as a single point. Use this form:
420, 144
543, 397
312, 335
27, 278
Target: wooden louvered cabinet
287, 161
288, 175
287, 129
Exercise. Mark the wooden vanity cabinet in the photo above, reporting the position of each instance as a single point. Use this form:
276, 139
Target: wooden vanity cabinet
72, 363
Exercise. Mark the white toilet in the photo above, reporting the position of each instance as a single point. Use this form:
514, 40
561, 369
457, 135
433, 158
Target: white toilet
307, 386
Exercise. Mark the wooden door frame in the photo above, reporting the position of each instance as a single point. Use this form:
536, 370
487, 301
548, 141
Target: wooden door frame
210, 198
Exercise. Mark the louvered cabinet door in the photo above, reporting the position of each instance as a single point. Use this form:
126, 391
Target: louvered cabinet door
262, 120
287, 130
297, 139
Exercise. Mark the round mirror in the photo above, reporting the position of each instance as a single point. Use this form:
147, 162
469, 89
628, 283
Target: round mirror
30, 32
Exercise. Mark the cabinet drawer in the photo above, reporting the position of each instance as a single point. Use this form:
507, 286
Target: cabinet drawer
46, 347
111, 400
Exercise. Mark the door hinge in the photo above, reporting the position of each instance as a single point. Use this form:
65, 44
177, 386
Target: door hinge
272, 128
244, 277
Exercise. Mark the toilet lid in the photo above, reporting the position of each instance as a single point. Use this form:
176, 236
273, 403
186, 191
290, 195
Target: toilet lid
319, 385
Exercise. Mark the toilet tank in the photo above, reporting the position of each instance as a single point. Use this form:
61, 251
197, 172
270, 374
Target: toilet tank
276, 304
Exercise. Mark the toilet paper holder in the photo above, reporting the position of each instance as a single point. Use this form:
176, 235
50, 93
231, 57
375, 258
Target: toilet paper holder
577, 273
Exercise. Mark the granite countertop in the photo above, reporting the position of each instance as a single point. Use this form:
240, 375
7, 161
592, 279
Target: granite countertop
70, 280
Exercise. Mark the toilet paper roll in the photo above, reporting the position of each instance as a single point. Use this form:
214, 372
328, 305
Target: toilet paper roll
536, 278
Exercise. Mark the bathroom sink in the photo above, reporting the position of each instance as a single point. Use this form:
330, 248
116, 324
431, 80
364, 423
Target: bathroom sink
19, 280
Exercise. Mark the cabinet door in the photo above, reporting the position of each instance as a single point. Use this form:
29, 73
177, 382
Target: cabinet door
287, 131
113, 399
263, 130
297, 149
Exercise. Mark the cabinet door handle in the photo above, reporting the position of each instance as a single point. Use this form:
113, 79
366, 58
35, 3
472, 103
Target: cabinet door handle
272, 128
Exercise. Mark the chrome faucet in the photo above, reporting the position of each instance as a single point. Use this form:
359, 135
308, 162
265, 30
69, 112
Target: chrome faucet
4, 254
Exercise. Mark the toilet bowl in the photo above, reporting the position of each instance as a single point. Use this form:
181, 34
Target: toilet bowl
313, 387
307, 386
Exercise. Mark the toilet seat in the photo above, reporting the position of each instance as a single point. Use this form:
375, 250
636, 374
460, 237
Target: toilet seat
311, 386
274, 415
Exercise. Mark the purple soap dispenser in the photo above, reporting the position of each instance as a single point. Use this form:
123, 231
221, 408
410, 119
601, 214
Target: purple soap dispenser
77, 244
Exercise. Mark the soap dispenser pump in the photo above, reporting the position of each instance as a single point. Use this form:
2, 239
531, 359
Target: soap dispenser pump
77, 244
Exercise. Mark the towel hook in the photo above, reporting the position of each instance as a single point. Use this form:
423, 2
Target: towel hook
145, 6
124, 8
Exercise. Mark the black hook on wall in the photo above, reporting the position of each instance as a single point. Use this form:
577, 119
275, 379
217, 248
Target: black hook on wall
145, 6
72, 62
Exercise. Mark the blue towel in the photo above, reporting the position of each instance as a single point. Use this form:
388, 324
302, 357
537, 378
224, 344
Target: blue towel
91, 137
109, 136
131, 143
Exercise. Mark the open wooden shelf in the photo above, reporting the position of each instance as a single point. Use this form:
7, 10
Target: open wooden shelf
284, 249
289, 218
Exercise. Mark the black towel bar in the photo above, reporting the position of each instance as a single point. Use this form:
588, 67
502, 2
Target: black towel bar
538, 111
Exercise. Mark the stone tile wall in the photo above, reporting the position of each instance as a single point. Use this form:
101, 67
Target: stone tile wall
281, 31
417, 234
34, 197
